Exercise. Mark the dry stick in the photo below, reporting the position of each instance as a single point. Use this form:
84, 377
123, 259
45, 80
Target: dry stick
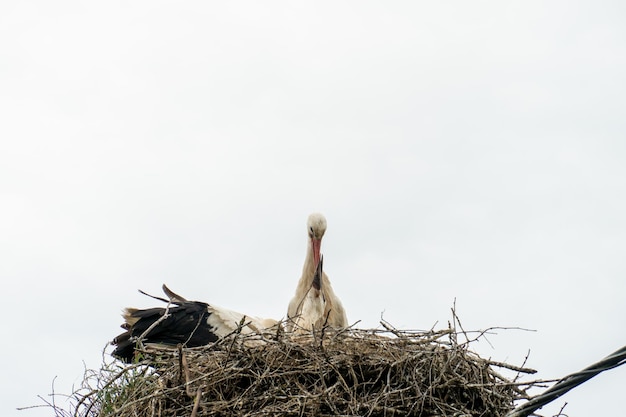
153, 404
482, 333
535, 383
456, 319
180, 363
198, 323
323, 330
187, 374
390, 328
515, 386
511, 367
165, 315
54, 405
561, 410
46, 402
523, 363
196, 403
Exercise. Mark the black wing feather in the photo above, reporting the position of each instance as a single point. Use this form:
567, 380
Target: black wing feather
186, 324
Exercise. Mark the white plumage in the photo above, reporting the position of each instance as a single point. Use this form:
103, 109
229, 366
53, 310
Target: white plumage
315, 304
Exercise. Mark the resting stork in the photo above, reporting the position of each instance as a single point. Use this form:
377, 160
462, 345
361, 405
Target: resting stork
315, 304
190, 323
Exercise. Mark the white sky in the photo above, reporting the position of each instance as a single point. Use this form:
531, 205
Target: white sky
468, 150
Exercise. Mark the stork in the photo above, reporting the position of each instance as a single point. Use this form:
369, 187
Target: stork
189, 323
315, 304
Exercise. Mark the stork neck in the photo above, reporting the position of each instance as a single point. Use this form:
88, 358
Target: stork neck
310, 261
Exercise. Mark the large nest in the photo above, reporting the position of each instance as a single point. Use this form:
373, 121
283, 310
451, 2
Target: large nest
351, 373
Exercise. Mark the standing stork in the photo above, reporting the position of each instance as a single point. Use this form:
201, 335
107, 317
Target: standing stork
315, 303
189, 323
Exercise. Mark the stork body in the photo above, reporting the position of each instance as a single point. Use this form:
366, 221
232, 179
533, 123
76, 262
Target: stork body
189, 323
315, 303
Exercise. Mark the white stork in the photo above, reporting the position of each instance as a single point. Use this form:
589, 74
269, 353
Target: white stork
315, 303
190, 323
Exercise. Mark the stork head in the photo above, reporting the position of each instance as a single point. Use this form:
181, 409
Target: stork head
316, 227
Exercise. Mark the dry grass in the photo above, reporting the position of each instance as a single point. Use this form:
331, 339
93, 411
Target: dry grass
351, 373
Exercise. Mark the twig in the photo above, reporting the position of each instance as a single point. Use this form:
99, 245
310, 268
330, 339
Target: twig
196, 403
511, 367
165, 315
187, 374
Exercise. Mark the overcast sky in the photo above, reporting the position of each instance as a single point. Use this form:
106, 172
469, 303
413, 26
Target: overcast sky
460, 150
